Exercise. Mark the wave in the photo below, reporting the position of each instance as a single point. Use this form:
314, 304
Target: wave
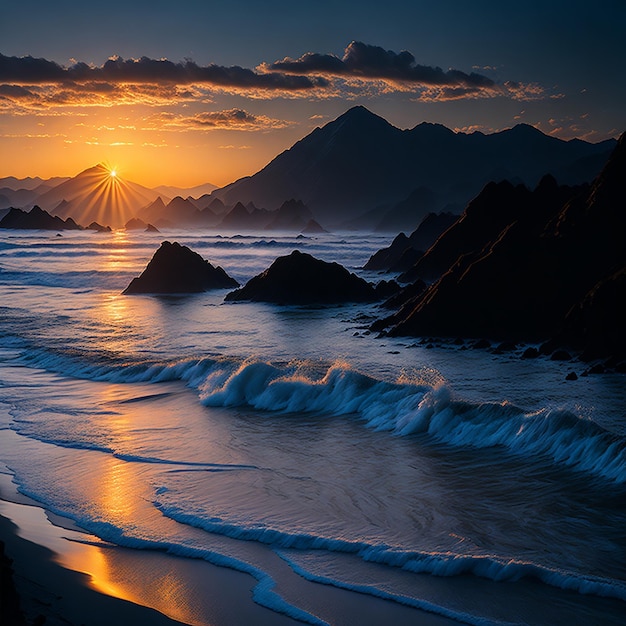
445, 564
404, 407
263, 592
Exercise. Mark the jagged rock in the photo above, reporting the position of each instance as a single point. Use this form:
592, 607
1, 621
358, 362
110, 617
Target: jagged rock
571, 376
404, 252
561, 355
481, 344
178, 269
99, 227
150, 228
552, 247
530, 353
597, 324
36, 219
300, 278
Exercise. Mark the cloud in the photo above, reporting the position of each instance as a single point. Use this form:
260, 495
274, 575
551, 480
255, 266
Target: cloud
368, 61
399, 69
116, 70
230, 119
31, 85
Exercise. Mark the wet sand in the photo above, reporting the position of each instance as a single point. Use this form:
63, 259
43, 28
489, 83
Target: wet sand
133, 587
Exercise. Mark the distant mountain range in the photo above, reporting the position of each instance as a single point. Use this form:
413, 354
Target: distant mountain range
169, 191
361, 171
356, 172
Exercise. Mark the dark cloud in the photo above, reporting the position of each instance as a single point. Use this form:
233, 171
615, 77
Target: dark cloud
15, 91
229, 119
29, 71
364, 61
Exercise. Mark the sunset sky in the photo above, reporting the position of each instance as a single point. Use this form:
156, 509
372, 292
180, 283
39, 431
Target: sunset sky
184, 93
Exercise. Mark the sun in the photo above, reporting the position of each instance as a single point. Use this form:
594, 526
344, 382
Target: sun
112, 173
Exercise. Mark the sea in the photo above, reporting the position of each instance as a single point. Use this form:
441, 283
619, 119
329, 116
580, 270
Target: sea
293, 445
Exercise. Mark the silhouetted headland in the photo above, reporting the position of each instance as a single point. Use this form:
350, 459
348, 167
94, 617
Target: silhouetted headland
530, 265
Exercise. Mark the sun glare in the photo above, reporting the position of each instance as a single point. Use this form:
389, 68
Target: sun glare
113, 173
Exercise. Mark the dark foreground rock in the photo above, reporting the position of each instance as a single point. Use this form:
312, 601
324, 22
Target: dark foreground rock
178, 269
36, 219
531, 266
404, 252
300, 278
597, 324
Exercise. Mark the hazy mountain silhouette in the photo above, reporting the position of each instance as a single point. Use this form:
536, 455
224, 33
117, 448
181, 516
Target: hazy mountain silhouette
36, 219
170, 191
293, 215
95, 195
24, 197
360, 162
404, 252
31, 183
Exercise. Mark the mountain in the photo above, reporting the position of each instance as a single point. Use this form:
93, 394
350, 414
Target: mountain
185, 192
293, 215
36, 219
11, 182
553, 266
359, 162
96, 195
404, 252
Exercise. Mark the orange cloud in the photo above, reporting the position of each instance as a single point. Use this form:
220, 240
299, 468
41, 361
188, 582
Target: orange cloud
230, 119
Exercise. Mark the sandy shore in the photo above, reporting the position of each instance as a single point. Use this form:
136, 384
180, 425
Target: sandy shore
71, 578
198, 593
58, 574
60, 595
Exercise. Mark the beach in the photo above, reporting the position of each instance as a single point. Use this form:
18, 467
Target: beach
183, 592
185, 459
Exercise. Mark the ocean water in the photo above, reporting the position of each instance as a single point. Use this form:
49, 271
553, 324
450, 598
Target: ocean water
292, 445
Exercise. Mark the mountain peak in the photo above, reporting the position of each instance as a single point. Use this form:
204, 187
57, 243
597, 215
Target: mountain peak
432, 129
361, 115
525, 130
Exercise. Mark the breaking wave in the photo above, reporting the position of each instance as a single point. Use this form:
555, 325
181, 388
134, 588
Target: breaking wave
404, 407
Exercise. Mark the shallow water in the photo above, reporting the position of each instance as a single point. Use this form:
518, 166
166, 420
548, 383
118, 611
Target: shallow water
291, 444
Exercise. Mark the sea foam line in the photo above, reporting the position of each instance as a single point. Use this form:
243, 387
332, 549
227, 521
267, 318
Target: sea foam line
403, 407
263, 592
444, 564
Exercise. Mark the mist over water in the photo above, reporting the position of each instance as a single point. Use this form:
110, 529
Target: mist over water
291, 444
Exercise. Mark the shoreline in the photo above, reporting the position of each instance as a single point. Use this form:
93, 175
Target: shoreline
51, 593
44, 591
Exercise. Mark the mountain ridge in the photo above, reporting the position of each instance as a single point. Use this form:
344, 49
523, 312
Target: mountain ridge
359, 162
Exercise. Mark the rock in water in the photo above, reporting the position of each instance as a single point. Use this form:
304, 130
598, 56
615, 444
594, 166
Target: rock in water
300, 278
178, 269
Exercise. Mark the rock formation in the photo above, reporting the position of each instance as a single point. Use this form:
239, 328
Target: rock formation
300, 278
177, 269
531, 265
36, 219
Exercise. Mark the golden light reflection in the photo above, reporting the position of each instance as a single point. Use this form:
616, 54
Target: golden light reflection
121, 492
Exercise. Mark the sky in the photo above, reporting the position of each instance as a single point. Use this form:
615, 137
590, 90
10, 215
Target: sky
183, 93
